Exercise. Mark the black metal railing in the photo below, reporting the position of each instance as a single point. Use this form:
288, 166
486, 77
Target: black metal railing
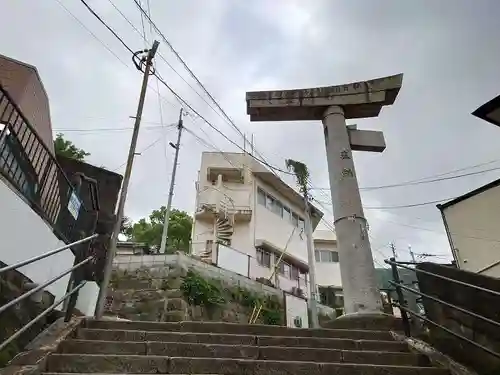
75, 272
32, 169
408, 314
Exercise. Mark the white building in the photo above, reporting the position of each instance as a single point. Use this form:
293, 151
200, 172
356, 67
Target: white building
328, 268
254, 217
472, 223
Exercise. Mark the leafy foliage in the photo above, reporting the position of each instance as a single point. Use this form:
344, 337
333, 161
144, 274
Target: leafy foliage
67, 149
200, 292
149, 230
301, 174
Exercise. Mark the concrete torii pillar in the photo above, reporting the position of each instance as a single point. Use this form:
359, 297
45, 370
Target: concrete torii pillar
332, 105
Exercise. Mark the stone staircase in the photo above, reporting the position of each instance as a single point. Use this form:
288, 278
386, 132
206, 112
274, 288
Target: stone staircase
121, 347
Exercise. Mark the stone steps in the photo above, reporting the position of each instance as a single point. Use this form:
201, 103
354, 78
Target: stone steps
130, 364
233, 339
277, 353
244, 329
125, 347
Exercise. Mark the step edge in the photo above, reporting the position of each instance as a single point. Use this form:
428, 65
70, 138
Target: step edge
277, 362
79, 341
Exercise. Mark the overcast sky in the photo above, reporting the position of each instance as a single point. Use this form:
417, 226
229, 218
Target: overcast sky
448, 51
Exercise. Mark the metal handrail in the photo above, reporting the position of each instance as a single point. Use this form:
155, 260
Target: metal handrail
398, 264
44, 285
18, 333
405, 310
420, 316
47, 254
465, 311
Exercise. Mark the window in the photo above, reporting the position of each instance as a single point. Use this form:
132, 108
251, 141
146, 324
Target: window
295, 219
287, 214
326, 256
277, 208
287, 270
295, 273
264, 258
261, 197
301, 224
269, 202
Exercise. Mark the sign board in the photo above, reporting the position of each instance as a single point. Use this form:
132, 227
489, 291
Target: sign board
74, 205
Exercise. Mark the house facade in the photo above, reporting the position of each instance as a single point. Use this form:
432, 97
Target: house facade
41, 209
471, 222
246, 218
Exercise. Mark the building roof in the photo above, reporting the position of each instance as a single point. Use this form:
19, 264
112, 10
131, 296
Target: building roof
30, 67
490, 111
322, 235
470, 194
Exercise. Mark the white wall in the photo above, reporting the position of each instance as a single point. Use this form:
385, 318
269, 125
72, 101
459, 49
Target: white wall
25, 235
296, 307
232, 260
474, 228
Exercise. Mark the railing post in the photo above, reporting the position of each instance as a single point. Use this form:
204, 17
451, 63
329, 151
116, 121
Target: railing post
401, 298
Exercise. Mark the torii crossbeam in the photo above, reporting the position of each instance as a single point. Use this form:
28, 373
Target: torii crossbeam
332, 105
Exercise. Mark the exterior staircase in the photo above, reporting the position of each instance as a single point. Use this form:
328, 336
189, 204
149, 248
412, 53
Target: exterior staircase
120, 347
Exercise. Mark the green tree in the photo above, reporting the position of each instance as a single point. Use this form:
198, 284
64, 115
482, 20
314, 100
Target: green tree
67, 149
149, 230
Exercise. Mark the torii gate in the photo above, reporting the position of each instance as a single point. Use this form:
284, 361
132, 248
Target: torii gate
332, 105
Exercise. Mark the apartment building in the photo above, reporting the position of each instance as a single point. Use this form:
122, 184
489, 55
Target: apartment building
247, 218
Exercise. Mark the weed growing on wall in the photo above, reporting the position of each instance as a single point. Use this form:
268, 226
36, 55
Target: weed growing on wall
200, 291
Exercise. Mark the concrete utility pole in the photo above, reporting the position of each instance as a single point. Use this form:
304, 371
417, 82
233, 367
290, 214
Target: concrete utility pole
312, 300
393, 248
164, 235
412, 254
101, 299
333, 105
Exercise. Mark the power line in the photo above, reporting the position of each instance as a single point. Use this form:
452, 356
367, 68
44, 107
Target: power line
189, 69
425, 180
92, 130
401, 206
106, 25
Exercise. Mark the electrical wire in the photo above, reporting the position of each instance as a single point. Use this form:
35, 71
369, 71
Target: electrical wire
426, 180
106, 25
93, 130
189, 69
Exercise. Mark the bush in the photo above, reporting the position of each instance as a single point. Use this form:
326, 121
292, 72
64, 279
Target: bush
201, 292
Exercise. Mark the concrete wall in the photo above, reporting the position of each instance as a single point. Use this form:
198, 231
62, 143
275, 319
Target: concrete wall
25, 235
476, 301
473, 226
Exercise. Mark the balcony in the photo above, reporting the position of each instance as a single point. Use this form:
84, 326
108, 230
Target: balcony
207, 211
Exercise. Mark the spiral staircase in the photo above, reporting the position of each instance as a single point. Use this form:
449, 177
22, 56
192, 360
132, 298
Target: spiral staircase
223, 228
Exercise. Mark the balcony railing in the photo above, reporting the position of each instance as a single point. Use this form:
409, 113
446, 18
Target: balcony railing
31, 168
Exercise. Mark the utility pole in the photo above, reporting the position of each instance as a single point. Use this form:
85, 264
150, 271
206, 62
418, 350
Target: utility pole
412, 254
313, 307
393, 248
145, 62
164, 235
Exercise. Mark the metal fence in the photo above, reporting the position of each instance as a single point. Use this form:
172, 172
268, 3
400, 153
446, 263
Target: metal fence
30, 167
77, 282
408, 314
